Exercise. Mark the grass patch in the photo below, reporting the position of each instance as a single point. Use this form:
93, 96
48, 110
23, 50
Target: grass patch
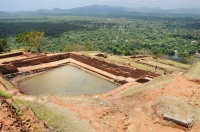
170, 68
124, 60
5, 95
90, 53
169, 65
149, 85
46, 115
54, 116
7, 84
174, 63
193, 73
17, 109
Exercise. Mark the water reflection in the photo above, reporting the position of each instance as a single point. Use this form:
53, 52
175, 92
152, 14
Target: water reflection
177, 58
174, 58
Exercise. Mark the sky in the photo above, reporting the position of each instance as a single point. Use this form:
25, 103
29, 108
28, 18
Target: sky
32, 5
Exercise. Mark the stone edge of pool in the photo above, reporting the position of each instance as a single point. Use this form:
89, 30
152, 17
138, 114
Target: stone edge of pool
120, 75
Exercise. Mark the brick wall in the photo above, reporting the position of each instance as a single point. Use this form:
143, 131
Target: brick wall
111, 67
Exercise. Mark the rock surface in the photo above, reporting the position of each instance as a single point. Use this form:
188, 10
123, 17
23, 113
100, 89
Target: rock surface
9, 121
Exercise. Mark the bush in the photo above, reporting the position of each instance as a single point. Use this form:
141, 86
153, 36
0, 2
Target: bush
3, 45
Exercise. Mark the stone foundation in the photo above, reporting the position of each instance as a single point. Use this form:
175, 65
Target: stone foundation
115, 69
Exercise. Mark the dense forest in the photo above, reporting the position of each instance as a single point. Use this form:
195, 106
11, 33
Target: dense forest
116, 34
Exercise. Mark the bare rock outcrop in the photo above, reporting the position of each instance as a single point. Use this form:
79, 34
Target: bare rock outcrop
169, 108
9, 121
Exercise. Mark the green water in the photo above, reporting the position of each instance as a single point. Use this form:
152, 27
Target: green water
177, 58
65, 80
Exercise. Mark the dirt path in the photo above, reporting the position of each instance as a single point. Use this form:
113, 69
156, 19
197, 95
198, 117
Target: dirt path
132, 114
72, 123
102, 116
2, 87
115, 93
180, 87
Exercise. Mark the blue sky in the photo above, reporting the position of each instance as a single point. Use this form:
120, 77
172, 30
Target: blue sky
30, 5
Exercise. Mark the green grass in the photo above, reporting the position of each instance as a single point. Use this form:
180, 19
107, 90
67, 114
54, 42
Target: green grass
174, 63
53, 116
46, 115
163, 65
169, 65
4, 94
7, 84
17, 109
125, 60
159, 81
193, 73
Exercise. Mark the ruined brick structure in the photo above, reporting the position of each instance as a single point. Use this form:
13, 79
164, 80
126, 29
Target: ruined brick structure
118, 70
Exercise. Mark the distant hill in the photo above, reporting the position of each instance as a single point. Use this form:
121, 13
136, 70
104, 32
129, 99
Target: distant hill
1, 12
104, 9
55, 11
97, 9
184, 11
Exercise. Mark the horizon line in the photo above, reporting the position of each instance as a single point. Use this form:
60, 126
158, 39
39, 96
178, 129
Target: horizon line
15, 11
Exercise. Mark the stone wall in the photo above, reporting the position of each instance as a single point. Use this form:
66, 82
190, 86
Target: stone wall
137, 57
11, 55
8, 69
28, 58
39, 60
112, 68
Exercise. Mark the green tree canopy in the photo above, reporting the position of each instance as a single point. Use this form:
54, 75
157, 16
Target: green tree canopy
73, 47
192, 51
171, 52
31, 39
3, 45
88, 46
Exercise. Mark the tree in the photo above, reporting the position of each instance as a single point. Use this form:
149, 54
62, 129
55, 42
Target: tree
3, 45
36, 39
187, 58
192, 51
127, 53
73, 47
23, 38
31, 39
171, 52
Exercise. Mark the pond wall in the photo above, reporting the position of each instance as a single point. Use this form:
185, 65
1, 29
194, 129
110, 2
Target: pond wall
115, 69
112, 68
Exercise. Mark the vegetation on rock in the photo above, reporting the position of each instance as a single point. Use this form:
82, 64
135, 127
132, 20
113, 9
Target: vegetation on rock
31, 39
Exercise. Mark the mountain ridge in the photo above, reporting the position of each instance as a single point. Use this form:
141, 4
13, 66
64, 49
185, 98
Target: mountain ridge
105, 9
